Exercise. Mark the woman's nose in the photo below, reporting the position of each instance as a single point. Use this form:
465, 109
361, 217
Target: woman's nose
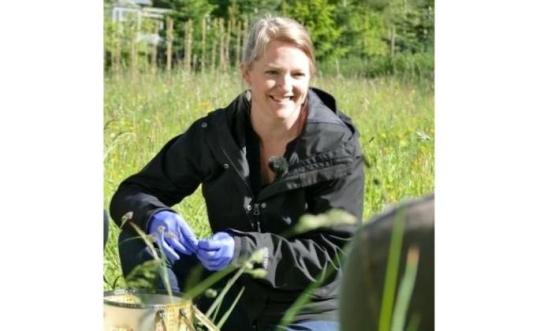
285, 82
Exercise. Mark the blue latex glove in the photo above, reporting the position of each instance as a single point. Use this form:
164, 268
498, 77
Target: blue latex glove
217, 252
172, 234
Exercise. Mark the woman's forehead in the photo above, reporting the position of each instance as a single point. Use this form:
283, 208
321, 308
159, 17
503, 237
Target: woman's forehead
278, 53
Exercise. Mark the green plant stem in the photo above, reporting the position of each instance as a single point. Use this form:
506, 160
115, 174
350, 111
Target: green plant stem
304, 297
391, 275
406, 288
229, 311
224, 291
208, 282
163, 266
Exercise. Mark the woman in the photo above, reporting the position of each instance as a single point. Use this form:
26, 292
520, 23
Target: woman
278, 151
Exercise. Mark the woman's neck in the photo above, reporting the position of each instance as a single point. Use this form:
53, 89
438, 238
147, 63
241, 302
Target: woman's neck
272, 131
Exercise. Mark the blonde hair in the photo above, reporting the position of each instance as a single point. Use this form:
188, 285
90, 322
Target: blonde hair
269, 28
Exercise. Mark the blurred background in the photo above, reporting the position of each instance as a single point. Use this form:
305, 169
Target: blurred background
360, 38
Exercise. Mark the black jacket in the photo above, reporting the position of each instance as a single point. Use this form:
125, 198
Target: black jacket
323, 170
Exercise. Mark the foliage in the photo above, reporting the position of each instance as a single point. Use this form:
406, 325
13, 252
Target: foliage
412, 67
319, 18
246, 8
413, 23
183, 11
380, 37
372, 30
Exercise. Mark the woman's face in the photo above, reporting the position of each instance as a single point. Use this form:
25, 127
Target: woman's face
279, 81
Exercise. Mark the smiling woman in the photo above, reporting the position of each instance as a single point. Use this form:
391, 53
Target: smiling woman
277, 66
278, 151
279, 82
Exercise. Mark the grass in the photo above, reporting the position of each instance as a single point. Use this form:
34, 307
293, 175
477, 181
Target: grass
142, 113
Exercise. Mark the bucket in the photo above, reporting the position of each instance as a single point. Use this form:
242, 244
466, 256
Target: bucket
150, 310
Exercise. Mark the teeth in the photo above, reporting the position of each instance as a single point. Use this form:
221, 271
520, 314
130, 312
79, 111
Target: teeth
282, 99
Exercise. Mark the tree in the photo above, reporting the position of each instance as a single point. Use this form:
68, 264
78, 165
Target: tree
363, 30
183, 11
247, 8
318, 16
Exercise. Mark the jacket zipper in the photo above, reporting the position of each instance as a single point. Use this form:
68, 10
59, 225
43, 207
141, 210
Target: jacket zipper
255, 211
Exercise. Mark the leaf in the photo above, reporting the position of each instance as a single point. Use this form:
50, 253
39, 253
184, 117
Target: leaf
391, 275
229, 311
405, 290
331, 218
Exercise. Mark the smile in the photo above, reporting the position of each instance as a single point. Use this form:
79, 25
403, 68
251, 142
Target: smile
281, 99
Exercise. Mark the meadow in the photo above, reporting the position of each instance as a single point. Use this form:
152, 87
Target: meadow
142, 112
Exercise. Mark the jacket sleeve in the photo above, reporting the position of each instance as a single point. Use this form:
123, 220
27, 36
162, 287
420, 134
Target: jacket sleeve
174, 173
294, 263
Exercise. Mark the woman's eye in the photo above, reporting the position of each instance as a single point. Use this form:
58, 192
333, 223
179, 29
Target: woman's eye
272, 72
299, 74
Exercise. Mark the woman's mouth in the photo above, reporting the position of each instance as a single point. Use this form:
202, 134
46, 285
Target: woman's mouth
283, 99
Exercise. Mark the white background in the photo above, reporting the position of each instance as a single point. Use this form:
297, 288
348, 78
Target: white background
487, 166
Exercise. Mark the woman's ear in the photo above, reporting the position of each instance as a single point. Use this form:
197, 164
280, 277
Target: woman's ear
244, 69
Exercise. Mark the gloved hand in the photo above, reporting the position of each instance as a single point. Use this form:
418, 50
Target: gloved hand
173, 234
217, 252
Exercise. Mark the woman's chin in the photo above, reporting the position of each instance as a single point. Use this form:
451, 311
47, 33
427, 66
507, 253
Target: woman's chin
284, 113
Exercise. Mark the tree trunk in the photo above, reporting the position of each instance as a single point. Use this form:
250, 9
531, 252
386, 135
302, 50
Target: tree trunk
214, 46
155, 50
169, 43
117, 55
227, 43
133, 52
238, 43
203, 46
188, 42
221, 44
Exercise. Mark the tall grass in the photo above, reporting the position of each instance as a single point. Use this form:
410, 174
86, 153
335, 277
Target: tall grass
143, 112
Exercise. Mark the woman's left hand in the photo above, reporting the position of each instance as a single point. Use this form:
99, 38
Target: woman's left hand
217, 252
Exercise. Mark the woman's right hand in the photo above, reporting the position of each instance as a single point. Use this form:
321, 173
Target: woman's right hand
172, 234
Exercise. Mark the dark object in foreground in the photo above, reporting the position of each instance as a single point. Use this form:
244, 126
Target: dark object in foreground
365, 269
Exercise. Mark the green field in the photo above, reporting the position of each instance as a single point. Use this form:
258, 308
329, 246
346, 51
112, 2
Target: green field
395, 119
